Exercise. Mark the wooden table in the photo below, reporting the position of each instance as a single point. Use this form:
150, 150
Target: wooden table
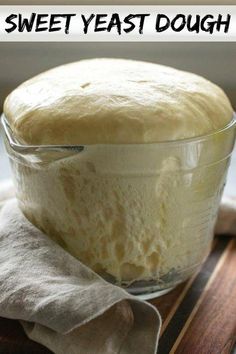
199, 316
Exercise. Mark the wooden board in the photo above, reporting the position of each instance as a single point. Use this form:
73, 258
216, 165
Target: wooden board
199, 316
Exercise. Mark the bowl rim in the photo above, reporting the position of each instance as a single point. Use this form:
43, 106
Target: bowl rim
26, 148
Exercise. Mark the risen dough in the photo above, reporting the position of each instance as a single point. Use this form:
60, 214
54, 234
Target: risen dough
115, 101
131, 212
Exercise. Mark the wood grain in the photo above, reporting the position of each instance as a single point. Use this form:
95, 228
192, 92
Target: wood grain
213, 327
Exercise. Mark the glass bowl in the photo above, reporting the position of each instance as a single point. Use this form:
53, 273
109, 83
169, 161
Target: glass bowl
140, 215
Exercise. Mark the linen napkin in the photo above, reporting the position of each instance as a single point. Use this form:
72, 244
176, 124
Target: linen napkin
226, 221
61, 303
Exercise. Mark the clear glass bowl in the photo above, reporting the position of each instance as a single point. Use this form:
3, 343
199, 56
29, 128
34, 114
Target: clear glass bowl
140, 215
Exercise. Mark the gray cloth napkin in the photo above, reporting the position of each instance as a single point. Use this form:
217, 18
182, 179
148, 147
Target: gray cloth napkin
61, 303
226, 221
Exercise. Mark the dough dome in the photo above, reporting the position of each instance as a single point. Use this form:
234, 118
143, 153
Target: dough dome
115, 101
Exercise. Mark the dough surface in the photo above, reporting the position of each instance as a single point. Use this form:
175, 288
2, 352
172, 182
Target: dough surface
115, 101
